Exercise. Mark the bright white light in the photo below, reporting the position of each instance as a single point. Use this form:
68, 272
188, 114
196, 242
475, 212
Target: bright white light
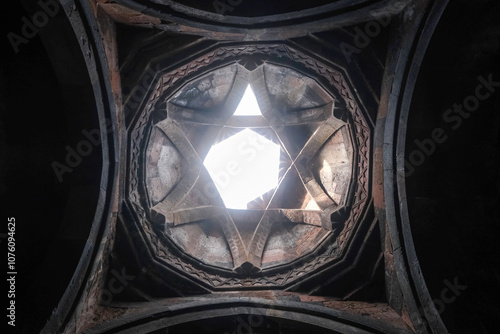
243, 167
312, 205
248, 105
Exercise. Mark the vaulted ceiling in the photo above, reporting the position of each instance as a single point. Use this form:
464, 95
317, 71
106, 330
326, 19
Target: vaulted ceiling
375, 110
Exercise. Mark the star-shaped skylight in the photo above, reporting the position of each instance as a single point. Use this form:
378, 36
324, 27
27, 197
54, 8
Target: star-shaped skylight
245, 165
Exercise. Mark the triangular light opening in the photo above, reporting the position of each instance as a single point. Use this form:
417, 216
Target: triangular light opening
248, 105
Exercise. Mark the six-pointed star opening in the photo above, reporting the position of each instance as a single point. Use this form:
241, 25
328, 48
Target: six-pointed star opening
245, 165
274, 166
